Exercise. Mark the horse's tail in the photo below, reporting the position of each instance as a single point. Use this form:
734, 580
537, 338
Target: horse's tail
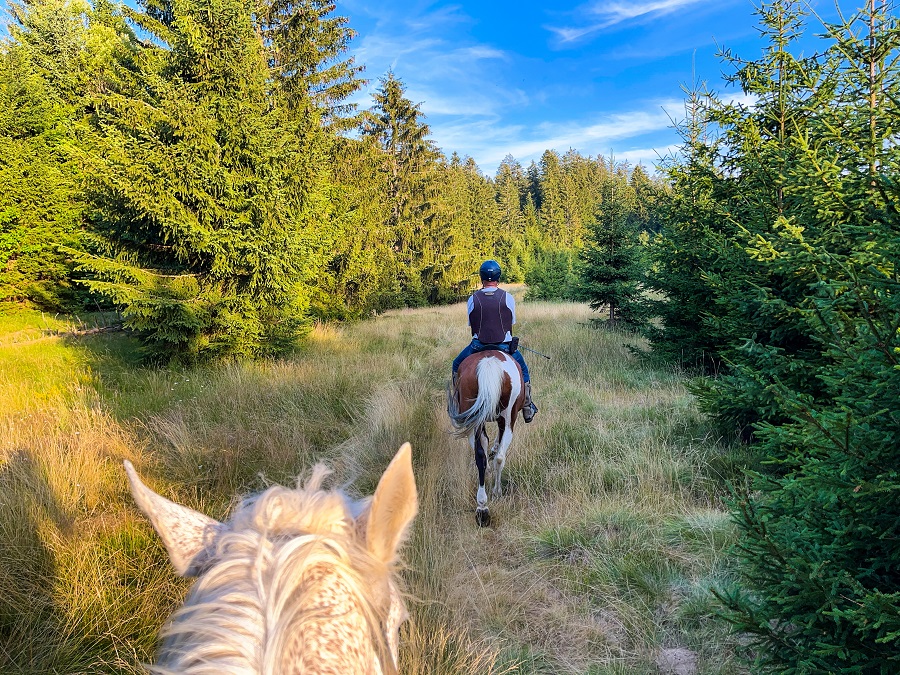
490, 374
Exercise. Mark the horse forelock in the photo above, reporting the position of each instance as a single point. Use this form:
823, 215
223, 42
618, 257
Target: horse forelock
291, 584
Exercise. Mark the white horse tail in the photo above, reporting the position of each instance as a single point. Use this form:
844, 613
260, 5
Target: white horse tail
490, 373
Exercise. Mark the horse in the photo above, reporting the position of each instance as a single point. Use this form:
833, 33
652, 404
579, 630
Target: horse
490, 388
296, 581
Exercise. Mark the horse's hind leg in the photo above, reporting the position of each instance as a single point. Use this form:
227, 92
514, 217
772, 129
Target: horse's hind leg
495, 445
482, 515
504, 438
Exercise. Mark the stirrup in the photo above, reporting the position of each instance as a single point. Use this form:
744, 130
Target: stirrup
528, 412
529, 408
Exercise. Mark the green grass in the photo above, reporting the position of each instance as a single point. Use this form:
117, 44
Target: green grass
602, 551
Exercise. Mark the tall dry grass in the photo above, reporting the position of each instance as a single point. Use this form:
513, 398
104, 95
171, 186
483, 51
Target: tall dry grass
602, 550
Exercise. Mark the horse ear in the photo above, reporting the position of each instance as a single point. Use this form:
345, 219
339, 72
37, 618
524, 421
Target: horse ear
393, 507
187, 534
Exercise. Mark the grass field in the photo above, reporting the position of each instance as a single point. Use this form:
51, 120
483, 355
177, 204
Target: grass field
600, 554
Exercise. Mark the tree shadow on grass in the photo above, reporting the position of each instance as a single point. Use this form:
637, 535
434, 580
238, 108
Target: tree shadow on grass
113, 361
28, 512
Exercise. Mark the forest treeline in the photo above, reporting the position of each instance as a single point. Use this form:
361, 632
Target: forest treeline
196, 164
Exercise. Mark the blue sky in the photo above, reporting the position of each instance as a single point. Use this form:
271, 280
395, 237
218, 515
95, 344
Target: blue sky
498, 77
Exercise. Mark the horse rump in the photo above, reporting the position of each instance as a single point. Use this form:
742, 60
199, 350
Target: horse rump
480, 384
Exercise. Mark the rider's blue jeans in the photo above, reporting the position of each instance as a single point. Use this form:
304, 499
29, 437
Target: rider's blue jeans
475, 344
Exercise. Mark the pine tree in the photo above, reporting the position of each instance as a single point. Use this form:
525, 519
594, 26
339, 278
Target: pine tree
409, 162
209, 199
305, 45
819, 546
612, 261
688, 247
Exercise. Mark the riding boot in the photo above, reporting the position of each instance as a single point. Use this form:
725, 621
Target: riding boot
528, 408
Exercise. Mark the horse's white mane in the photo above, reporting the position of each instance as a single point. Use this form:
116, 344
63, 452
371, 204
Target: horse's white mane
244, 614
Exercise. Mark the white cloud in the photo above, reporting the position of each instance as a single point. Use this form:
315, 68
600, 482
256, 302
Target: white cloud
482, 52
480, 100
458, 79
488, 142
379, 49
607, 14
746, 100
617, 12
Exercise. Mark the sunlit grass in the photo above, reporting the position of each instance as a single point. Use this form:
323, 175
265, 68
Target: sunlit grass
602, 550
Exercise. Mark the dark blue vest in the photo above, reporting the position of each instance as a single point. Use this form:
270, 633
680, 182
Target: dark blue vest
490, 318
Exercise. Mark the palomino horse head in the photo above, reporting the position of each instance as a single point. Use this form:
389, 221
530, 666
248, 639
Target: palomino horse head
297, 581
490, 389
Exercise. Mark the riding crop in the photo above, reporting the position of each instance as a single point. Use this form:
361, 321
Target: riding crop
527, 349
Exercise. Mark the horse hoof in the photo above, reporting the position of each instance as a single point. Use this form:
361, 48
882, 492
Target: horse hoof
482, 517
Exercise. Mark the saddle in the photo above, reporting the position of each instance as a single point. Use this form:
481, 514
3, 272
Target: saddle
508, 347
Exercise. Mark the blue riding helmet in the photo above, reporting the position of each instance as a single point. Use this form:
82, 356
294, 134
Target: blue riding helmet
490, 270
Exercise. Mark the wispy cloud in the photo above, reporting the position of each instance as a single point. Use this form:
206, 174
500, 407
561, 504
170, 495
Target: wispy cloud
616, 12
488, 141
487, 99
483, 52
454, 77
602, 15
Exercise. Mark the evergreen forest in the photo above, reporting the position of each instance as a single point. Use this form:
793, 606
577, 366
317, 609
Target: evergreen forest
195, 167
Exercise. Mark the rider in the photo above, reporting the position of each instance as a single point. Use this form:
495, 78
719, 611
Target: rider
492, 313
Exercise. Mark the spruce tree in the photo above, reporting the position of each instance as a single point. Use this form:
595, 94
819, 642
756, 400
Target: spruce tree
509, 231
305, 48
688, 247
39, 208
208, 198
581, 187
484, 214
450, 275
819, 546
453, 267
552, 275
755, 304
56, 53
360, 276
409, 162
551, 197
613, 259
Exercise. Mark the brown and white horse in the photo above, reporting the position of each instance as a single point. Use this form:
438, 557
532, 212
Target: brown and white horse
297, 581
489, 389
